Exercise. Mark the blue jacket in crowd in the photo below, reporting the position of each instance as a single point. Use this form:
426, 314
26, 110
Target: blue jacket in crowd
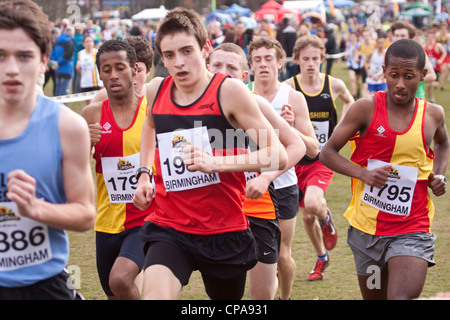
63, 54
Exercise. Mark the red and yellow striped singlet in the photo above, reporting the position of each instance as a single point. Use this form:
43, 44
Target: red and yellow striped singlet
403, 205
117, 156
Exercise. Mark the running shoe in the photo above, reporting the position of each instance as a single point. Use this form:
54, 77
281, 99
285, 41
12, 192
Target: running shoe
329, 233
318, 270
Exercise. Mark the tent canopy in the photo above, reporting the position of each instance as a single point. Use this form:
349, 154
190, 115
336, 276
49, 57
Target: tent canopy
238, 10
340, 3
416, 12
276, 15
271, 4
218, 15
149, 14
418, 5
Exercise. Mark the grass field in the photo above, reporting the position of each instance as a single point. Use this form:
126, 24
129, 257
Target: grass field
339, 283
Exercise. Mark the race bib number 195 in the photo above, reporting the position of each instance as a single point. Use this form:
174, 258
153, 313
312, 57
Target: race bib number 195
173, 170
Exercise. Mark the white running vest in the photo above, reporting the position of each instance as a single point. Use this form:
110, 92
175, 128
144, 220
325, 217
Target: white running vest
89, 72
288, 178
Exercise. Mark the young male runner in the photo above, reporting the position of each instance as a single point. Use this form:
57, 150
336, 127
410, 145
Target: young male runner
199, 158
392, 166
144, 58
86, 66
116, 126
260, 204
320, 92
266, 58
46, 183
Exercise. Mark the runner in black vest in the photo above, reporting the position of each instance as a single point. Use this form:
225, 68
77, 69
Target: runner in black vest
314, 178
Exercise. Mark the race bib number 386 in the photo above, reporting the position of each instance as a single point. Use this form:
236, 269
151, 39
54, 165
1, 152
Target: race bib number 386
23, 241
175, 175
396, 195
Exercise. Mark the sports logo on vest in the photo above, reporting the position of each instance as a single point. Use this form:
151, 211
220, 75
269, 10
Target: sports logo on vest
106, 127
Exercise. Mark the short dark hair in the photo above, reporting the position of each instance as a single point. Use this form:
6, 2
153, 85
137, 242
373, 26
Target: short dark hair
116, 45
144, 52
182, 20
406, 49
27, 15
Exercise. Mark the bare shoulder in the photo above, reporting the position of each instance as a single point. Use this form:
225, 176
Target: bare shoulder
71, 123
237, 103
336, 82
361, 109
295, 95
289, 82
436, 112
151, 89
337, 85
92, 112
298, 101
233, 90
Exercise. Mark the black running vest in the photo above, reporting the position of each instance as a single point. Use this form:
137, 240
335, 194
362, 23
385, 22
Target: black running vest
322, 112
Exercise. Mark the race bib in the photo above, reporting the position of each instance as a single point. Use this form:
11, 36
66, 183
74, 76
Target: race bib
321, 129
174, 173
119, 174
23, 242
396, 195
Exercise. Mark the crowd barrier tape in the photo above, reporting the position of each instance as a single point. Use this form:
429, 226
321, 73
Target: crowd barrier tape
76, 97
83, 96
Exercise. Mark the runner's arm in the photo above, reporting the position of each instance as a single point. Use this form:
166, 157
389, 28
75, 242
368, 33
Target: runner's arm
356, 119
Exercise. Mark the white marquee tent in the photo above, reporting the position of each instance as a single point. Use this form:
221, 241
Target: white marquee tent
150, 14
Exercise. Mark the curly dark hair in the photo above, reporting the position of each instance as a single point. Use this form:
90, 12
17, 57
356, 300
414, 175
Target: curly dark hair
117, 45
144, 52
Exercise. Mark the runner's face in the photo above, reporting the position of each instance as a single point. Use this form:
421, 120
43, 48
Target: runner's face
402, 79
88, 43
401, 34
381, 43
310, 60
140, 77
20, 65
265, 64
183, 57
227, 63
116, 73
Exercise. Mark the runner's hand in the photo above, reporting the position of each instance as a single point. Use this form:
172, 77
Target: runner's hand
95, 132
376, 177
196, 159
287, 114
436, 185
143, 196
22, 190
256, 187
